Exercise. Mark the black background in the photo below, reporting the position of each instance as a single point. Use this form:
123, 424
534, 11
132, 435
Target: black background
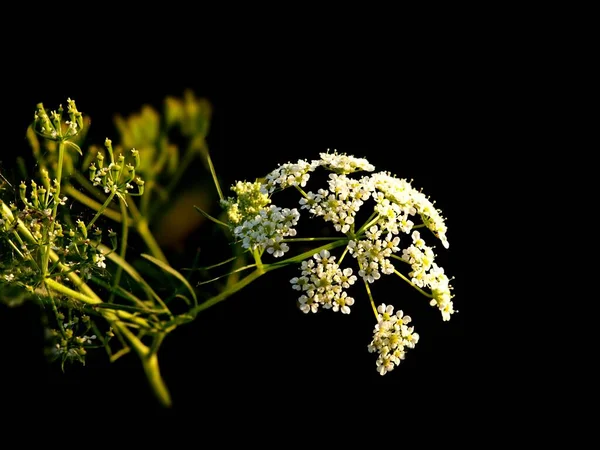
256, 353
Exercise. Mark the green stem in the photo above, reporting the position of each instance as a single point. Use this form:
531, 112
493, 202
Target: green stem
88, 186
232, 290
137, 220
152, 295
253, 276
413, 285
239, 269
311, 239
259, 264
125, 236
141, 225
304, 194
47, 245
370, 295
144, 231
302, 256
87, 295
343, 255
188, 157
400, 259
55, 310
91, 203
150, 364
62, 289
214, 175
368, 223
103, 207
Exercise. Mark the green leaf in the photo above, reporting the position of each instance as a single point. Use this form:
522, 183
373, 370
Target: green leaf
75, 146
208, 216
173, 272
132, 309
184, 298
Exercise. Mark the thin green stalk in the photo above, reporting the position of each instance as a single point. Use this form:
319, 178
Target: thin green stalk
123, 251
302, 256
152, 295
252, 277
209, 217
188, 157
413, 285
299, 189
55, 311
143, 229
148, 195
228, 260
115, 356
91, 203
25, 258
310, 239
368, 223
62, 289
46, 251
88, 186
239, 269
259, 264
400, 259
370, 295
214, 175
137, 220
89, 296
103, 207
343, 255
227, 293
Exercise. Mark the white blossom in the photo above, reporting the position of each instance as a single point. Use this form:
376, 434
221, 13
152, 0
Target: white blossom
391, 337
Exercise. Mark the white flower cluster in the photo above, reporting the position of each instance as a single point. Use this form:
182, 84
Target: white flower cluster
289, 174
373, 253
391, 337
322, 284
341, 202
344, 164
397, 200
297, 174
426, 273
266, 230
256, 223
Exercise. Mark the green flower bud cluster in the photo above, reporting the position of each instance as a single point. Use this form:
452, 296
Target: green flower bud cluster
249, 201
117, 177
54, 126
42, 197
72, 338
190, 114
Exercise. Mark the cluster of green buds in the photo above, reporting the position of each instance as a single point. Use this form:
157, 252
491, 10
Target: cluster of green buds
42, 197
69, 341
190, 114
117, 177
53, 127
249, 202
78, 249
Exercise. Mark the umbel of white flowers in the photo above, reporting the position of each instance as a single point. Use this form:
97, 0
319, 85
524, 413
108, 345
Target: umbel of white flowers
375, 245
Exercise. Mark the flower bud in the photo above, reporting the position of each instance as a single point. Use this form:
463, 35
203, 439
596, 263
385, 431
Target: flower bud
82, 228
136, 157
140, 185
92, 170
100, 159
